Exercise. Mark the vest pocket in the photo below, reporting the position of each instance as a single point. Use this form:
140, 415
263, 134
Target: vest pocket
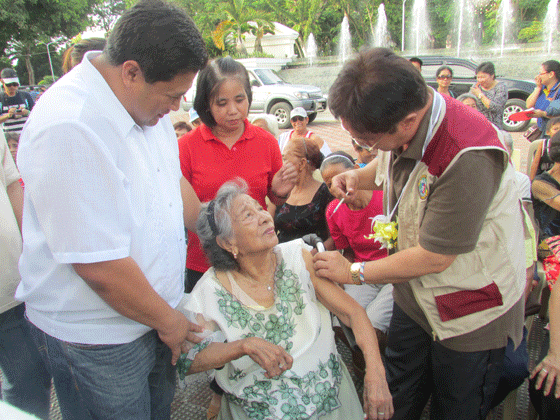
465, 302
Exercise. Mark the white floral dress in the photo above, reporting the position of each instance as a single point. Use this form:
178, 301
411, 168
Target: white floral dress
317, 386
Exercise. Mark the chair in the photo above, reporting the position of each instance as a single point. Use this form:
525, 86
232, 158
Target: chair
531, 153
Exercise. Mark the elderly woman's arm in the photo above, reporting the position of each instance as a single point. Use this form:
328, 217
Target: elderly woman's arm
378, 403
272, 358
213, 352
548, 370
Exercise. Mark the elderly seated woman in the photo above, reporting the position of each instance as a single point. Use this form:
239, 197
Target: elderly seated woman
267, 323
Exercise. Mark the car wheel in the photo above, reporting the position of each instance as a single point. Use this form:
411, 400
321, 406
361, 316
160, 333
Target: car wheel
281, 112
312, 117
513, 106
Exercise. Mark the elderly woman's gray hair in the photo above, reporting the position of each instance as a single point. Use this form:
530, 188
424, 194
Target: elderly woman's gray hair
338, 158
270, 120
214, 220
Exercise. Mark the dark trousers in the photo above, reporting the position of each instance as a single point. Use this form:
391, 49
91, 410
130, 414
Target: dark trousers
462, 384
191, 278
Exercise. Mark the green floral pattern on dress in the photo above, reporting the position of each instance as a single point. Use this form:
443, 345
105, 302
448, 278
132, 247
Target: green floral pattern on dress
276, 328
186, 359
293, 397
317, 392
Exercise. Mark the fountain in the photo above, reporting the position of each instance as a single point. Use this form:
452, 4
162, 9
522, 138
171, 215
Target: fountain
311, 49
505, 16
465, 24
420, 25
550, 25
345, 42
381, 37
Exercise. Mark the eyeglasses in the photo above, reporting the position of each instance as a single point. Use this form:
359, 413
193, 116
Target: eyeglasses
368, 149
298, 118
444, 76
12, 84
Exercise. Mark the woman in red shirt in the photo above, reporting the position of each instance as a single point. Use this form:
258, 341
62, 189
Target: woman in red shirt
227, 146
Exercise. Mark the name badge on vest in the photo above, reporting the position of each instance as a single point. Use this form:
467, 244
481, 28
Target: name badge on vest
423, 189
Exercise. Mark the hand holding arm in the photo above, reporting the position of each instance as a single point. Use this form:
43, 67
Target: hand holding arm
271, 357
399, 267
124, 287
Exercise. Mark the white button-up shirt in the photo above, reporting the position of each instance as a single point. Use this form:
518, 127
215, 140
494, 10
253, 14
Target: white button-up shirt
97, 187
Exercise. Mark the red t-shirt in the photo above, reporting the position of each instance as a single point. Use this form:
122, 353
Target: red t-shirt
349, 228
207, 163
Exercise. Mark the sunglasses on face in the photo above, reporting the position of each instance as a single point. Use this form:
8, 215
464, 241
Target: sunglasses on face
298, 118
359, 146
444, 76
12, 84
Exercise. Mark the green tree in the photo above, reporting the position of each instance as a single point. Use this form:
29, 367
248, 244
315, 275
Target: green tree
32, 21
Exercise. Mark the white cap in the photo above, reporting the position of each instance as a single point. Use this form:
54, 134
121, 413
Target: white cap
298, 112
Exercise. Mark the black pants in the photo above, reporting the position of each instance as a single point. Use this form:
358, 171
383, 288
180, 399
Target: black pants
462, 384
191, 278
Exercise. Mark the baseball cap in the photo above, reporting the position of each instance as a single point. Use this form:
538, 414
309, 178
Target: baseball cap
9, 75
193, 115
298, 112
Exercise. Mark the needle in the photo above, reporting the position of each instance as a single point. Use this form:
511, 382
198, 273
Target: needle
338, 205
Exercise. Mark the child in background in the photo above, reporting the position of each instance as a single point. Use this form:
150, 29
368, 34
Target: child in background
541, 161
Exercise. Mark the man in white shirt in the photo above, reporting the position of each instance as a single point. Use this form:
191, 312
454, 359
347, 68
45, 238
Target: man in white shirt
25, 382
104, 245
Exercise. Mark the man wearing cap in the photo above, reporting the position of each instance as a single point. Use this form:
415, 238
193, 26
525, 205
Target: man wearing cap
15, 105
299, 120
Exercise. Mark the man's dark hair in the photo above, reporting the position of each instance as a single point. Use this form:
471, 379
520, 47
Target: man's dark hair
85, 45
160, 37
486, 67
416, 60
376, 90
552, 65
209, 81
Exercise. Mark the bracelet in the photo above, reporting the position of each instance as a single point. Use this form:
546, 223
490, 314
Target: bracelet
283, 197
362, 266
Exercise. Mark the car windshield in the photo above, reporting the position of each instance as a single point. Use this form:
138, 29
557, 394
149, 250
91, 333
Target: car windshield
268, 77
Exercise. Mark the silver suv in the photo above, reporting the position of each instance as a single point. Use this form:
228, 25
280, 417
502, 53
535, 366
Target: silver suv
272, 95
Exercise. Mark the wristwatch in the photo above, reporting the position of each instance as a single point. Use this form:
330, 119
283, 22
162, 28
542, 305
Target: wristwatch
355, 271
480, 96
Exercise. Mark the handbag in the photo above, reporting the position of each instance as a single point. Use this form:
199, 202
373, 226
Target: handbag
533, 133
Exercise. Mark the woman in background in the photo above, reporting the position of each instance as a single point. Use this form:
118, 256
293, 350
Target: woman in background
491, 95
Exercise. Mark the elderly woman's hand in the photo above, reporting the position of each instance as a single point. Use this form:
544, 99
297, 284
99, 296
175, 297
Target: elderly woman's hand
378, 403
284, 180
549, 369
271, 357
333, 266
